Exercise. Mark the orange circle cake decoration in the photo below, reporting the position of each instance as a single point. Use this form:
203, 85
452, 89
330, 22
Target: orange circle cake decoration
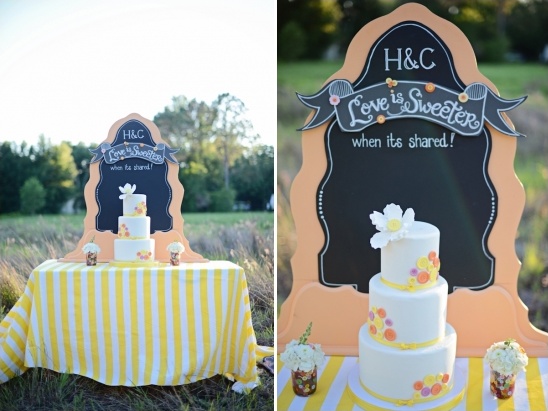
423, 277
389, 334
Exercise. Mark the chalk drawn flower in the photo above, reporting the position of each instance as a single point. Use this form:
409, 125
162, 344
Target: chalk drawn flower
391, 83
334, 100
463, 97
126, 190
393, 224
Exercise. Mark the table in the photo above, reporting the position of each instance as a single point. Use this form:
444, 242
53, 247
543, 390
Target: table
531, 388
133, 326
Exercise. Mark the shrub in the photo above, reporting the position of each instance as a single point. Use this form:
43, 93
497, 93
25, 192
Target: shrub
223, 200
33, 196
291, 42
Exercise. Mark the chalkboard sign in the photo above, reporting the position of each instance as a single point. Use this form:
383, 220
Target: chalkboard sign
133, 153
409, 132
408, 119
133, 158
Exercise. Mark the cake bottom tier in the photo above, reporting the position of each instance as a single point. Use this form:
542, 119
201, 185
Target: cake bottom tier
400, 376
134, 250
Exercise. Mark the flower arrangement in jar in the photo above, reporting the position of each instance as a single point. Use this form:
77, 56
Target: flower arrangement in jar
91, 250
506, 359
175, 249
303, 358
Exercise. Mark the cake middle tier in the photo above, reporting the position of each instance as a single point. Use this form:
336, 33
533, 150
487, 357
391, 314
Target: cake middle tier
133, 228
134, 250
407, 319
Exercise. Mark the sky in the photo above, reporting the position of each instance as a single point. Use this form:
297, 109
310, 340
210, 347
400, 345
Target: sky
70, 69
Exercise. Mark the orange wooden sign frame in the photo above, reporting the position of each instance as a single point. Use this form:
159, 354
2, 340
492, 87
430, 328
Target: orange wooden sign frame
105, 239
480, 317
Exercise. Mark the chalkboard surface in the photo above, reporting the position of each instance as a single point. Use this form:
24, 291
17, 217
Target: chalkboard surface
134, 158
411, 162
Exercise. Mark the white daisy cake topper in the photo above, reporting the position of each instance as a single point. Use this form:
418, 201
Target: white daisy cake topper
126, 190
393, 224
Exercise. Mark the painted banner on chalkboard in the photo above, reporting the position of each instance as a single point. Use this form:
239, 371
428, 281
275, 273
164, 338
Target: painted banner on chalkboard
112, 154
463, 112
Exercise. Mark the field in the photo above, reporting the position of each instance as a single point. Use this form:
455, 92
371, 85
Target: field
512, 80
244, 238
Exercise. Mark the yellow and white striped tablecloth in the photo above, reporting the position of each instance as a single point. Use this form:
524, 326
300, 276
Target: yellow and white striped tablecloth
132, 326
531, 392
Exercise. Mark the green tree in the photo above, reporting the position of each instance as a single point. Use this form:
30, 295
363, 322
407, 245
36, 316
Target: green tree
253, 177
200, 180
355, 15
211, 137
16, 166
33, 196
232, 130
56, 171
526, 28
187, 125
82, 157
317, 20
291, 42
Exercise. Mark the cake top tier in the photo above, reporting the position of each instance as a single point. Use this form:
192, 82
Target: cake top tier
420, 230
410, 249
134, 205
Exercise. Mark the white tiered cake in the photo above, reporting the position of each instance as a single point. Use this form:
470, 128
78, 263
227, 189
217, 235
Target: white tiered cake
406, 349
133, 244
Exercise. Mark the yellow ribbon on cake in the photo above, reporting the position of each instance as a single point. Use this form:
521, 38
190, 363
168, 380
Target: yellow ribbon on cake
409, 403
404, 346
409, 287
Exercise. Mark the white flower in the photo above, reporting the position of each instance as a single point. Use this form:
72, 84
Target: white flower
126, 190
91, 247
175, 247
507, 357
301, 355
392, 224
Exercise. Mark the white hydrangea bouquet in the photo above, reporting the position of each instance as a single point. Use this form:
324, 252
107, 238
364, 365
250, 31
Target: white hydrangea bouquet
507, 357
91, 247
175, 249
302, 355
91, 250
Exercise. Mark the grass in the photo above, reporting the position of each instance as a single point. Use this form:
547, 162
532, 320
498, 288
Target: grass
244, 238
512, 80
